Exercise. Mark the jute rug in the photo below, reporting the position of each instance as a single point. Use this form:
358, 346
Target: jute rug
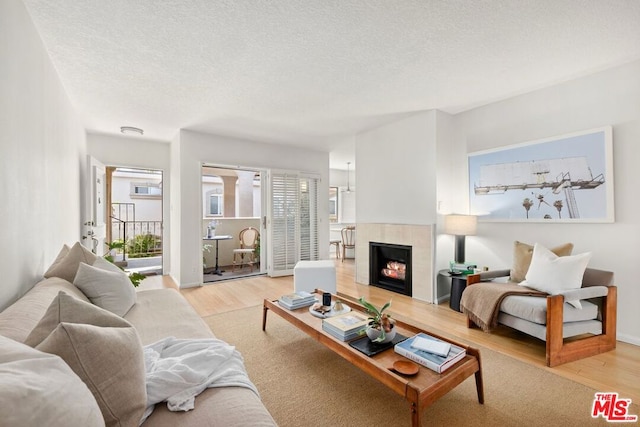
304, 384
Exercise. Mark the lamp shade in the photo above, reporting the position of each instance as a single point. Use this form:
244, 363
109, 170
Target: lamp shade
460, 225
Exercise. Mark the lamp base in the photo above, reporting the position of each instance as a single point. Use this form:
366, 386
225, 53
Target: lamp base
459, 251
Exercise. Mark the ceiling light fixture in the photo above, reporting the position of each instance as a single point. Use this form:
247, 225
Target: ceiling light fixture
130, 130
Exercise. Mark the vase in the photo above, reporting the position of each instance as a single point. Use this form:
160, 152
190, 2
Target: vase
373, 334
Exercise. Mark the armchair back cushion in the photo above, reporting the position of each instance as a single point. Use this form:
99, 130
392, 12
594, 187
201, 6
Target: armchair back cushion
522, 254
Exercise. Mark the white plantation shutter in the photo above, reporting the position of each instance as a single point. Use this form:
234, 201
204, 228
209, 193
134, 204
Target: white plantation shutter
308, 219
293, 221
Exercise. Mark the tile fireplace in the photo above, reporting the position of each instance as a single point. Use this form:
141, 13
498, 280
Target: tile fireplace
390, 267
418, 237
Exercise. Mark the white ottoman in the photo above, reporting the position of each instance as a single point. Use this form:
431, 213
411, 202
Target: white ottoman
311, 275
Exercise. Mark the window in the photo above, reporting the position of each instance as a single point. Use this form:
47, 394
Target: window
333, 204
146, 190
214, 205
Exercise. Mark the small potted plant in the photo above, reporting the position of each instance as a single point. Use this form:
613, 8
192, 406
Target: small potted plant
381, 326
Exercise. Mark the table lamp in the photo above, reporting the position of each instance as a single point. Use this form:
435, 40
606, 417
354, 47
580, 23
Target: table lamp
460, 226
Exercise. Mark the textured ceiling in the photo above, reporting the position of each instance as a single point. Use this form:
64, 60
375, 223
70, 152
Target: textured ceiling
309, 72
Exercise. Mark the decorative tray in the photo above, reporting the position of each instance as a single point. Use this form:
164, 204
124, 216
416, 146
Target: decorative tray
330, 313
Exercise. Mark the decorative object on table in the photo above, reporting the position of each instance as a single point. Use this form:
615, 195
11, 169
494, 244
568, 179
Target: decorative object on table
370, 348
211, 228
326, 299
458, 268
335, 309
406, 367
347, 326
381, 325
431, 360
460, 226
297, 300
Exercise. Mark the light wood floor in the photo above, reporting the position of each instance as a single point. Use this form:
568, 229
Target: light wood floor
617, 370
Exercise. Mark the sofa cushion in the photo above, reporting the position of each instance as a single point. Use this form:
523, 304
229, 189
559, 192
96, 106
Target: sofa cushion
104, 350
534, 309
110, 361
228, 406
67, 267
150, 317
39, 389
19, 319
106, 286
63, 253
522, 254
65, 308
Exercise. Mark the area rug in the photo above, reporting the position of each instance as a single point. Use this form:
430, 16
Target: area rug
303, 383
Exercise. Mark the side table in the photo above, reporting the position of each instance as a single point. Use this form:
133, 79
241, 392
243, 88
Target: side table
458, 284
216, 269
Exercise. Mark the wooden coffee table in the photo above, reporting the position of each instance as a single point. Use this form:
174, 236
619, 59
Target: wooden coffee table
421, 390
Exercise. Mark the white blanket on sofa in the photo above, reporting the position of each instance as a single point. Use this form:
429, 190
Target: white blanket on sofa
177, 370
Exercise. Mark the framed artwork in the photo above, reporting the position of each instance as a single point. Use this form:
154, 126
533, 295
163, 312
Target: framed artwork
567, 178
333, 204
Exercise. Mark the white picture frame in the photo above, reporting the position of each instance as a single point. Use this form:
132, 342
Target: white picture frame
566, 178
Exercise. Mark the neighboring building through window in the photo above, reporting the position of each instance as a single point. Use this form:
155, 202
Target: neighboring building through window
146, 189
215, 207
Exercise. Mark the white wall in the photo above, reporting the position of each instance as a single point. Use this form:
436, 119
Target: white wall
190, 150
42, 157
396, 172
607, 98
396, 177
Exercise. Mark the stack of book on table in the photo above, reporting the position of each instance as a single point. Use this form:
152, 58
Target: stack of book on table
297, 300
435, 354
346, 326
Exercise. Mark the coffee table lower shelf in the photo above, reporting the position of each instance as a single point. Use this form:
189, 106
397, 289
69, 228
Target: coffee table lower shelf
420, 390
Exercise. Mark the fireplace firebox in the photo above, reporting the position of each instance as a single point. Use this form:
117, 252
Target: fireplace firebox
390, 267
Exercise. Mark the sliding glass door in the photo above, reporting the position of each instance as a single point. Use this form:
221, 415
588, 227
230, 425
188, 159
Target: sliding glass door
292, 220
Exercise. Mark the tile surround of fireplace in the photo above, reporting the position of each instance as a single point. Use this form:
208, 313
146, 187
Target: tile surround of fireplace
419, 237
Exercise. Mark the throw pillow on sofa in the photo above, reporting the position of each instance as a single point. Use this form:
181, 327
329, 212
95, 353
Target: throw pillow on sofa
103, 349
106, 286
65, 308
32, 382
67, 267
522, 254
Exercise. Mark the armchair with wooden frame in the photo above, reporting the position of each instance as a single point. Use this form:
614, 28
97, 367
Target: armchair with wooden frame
570, 333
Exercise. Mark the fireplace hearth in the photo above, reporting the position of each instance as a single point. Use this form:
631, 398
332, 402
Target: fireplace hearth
390, 267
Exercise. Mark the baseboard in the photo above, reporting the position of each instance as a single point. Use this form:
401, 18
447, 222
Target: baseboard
443, 298
628, 339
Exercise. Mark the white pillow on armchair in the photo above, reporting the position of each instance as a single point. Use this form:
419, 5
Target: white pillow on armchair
553, 274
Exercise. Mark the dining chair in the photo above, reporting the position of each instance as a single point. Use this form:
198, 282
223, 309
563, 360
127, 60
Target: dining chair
348, 239
248, 242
